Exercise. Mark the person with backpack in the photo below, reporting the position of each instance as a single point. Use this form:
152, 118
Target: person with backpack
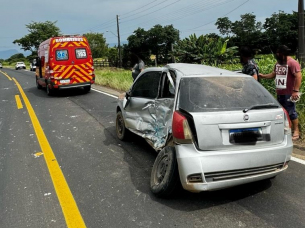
247, 60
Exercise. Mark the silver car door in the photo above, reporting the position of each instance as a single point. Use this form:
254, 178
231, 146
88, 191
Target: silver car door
139, 108
164, 106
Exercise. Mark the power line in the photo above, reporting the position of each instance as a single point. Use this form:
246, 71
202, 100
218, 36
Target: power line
152, 11
97, 26
142, 12
183, 10
179, 14
192, 9
141, 8
222, 16
109, 22
195, 8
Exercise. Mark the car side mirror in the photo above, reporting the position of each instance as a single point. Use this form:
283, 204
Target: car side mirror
128, 94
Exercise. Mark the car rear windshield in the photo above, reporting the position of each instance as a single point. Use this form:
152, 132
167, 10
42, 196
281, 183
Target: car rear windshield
212, 94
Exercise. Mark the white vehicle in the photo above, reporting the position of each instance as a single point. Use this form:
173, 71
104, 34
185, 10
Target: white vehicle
213, 128
20, 65
33, 65
0, 65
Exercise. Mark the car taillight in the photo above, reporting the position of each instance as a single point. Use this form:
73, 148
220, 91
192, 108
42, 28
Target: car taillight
181, 130
287, 123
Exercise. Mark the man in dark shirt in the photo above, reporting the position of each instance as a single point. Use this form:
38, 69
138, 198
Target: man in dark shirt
138, 66
249, 65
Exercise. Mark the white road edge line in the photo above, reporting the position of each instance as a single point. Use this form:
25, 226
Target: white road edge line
298, 160
110, 95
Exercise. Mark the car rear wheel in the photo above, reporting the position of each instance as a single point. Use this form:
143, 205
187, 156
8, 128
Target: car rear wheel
121, 131
164, 175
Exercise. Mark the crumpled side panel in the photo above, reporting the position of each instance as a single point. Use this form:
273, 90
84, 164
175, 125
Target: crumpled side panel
159, 126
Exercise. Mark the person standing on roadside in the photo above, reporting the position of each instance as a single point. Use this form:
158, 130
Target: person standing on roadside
247, 60
288, 78
138, 66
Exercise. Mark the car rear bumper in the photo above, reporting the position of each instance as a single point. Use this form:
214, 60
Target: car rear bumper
223, 169
70, 86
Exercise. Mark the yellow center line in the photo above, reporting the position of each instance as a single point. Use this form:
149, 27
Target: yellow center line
9, 78
18, 102
69, 207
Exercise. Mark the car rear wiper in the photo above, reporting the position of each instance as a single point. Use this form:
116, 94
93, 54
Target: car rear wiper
260, 107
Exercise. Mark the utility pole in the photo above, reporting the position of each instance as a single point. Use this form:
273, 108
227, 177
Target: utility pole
301, 45
172, 50
119, 42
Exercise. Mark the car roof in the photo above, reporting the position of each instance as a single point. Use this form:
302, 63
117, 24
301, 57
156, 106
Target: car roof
187, 69
184, 70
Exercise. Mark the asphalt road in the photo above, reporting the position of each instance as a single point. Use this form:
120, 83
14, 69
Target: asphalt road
109, 179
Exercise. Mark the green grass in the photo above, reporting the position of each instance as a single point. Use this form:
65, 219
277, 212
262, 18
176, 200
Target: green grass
12, 64
118, 79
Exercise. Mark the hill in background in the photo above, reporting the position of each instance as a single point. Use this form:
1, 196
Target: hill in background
8, 53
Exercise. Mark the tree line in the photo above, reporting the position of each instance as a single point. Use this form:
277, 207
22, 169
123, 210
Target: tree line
164, 43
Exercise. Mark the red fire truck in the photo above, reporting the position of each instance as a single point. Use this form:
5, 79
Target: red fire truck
64, 62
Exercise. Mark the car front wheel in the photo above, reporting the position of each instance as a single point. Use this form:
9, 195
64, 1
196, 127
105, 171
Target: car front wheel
165, 175
121, 131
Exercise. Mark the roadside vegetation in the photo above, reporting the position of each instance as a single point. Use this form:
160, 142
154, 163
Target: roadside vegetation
118, 79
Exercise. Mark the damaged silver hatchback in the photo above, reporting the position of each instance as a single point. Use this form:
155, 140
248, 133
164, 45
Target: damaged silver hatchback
212, 128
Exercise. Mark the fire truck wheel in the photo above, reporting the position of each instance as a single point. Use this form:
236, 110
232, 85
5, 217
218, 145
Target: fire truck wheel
37, 84
87, 89
49, 91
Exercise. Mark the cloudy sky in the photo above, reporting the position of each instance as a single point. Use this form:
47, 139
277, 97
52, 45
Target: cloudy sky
78, 17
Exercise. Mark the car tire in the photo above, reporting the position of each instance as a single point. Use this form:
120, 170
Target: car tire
121, 131
37, 84
87, 89
165, 175
49, 91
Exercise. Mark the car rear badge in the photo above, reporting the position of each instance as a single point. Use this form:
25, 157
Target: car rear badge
246, 117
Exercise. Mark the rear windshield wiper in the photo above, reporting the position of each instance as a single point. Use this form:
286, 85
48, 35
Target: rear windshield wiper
260, 107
